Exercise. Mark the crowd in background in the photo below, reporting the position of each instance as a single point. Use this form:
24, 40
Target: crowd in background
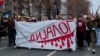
86, 27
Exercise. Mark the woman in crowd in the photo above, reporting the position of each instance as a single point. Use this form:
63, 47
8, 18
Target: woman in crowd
81, 29
90, 35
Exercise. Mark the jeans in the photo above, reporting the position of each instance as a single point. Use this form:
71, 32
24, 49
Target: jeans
97, 35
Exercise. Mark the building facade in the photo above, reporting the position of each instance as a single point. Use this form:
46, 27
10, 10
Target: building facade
31, 7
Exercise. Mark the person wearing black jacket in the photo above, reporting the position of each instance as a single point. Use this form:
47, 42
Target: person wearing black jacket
11, 31
2, 28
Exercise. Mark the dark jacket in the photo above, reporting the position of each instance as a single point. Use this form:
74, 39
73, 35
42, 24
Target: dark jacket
2, 28
98, 22
11, 25
91, 24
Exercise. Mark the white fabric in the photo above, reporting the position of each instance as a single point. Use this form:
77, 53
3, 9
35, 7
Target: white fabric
51, 34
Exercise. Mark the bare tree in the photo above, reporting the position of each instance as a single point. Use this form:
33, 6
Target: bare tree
96, 14
39, 5
48, 5
78, 7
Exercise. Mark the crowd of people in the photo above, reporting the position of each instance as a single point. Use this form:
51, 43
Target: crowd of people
85, 28
86, 31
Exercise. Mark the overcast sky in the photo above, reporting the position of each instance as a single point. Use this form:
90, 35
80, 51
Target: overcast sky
95, 5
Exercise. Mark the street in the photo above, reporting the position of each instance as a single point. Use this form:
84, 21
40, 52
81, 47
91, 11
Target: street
51, 26
10, 51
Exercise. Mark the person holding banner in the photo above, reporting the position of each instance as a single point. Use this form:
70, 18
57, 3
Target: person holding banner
70, 17
91, 35
11, 32
81, 29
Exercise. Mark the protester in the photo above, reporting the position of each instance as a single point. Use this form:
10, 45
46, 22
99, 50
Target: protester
3, 25
70, 17
44, 18
34, 19
24, 19
97, 28
29, 19
81, 29
61, 18
90, 35
11, 32
16, 17
57, 17
19, 18
1, 28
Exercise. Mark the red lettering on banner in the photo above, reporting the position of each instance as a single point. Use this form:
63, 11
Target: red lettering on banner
68, 43
38, 35
32, 38
54, 29
54, 41
60, 27
69, 30
68, 26
49, 31
45, 35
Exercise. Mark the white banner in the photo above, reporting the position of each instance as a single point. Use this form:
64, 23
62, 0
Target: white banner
51, 34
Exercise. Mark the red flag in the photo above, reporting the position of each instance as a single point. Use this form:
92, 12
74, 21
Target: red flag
1, 2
